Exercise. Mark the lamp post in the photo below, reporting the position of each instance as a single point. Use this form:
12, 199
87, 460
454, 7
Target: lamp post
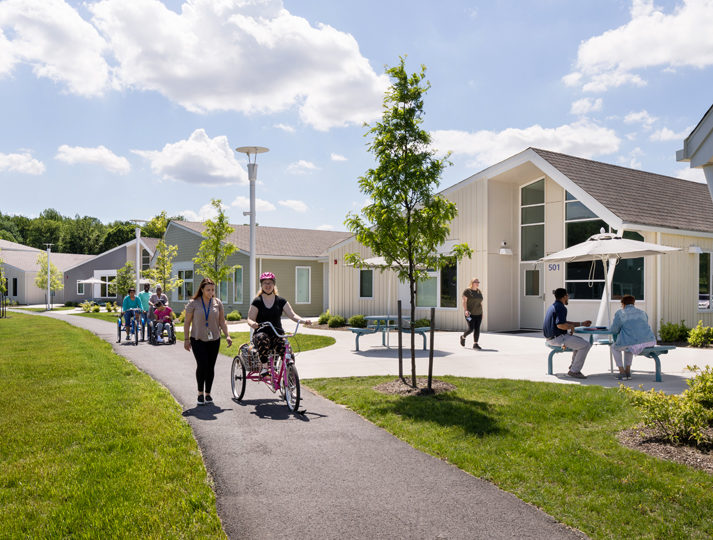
252, 177
49, 301
138, 252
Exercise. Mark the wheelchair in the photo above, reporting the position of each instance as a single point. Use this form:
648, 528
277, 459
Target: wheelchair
168, 335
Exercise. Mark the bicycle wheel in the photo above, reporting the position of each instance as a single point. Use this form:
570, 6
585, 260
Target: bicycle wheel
292, 394
118, 331
143, 328
136, 332
237, 378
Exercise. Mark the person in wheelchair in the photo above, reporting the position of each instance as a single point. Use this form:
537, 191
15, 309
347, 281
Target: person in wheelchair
131, 307
269, 307
163, 319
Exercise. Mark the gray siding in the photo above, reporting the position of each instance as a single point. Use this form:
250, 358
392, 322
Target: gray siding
108, 261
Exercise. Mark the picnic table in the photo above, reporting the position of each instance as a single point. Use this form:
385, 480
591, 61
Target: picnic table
384, 324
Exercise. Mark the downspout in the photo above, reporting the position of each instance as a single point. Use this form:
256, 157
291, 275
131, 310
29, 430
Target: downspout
659, 287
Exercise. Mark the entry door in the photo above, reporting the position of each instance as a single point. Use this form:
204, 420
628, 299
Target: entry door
532, 303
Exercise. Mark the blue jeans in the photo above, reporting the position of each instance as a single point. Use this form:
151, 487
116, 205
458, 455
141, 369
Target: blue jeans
128, 315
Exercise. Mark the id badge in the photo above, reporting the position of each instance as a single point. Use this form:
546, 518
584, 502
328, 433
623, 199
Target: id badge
210, 335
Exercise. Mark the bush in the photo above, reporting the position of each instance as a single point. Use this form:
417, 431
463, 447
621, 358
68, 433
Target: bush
96, 309
700, 387
336, 321
111, 307
323, 318
86, 306
672, 332
70, 304
700, 336
234, 315
182, 317
357, 321
420, 323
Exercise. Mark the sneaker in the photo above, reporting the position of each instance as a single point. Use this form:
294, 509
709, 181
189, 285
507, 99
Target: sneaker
576, 374
478, 347
159, 339
620, 376
208, 399
264, 373
201, 399
462, 341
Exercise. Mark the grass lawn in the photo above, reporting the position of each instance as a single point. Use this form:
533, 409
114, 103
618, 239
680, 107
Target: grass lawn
90, 446
552, 445
301, 342
103, 315
38, 309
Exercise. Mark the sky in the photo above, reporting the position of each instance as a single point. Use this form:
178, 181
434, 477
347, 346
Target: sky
120, 109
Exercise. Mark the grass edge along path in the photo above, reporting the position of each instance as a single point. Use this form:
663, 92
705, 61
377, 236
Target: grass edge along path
95, 448
551, 445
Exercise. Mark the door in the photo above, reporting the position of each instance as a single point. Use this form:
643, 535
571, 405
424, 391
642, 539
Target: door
532, 303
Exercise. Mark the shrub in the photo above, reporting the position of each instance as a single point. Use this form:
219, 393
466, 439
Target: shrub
674, 332
182, 317
700, 387
70, 304
95, 309
234, 315
357, 321
86, 306
110, 307
323, 318
420, 323
700, 336
336, 321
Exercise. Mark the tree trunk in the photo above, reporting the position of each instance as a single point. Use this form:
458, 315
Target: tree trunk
413, 342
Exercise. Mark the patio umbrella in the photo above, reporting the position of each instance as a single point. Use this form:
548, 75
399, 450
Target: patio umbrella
92, 281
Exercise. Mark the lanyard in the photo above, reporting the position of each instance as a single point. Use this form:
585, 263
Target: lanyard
206, 311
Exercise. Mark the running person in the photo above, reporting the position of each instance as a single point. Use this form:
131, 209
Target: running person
269, 307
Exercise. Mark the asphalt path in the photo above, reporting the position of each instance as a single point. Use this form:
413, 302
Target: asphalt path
327, 473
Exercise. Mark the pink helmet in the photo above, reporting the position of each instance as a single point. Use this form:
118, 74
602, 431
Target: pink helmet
267, 275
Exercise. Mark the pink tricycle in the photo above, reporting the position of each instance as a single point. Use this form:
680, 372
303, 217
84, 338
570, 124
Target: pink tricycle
282, 374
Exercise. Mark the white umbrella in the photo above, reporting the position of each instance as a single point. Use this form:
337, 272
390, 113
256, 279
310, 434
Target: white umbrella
91, 281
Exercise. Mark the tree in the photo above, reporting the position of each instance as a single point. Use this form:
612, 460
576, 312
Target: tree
118, 233
3, 286
125, 279
81, 235
405, 222
41, 231
161, 272
214, 249
9, 230
156, 227
56, 278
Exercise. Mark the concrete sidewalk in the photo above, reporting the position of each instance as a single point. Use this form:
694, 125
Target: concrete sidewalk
329, 473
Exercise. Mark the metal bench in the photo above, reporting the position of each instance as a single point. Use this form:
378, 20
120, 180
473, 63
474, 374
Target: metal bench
423, 330
361, 331
555, 349
654, 353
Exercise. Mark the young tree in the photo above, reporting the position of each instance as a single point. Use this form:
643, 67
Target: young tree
56, 278
405, 222
214, 249
125, 279
161, 272
3, 286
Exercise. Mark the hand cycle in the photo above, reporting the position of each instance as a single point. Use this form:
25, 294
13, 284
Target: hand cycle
132, 325
282, 375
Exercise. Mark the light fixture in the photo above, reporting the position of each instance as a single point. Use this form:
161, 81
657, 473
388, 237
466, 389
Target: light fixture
504, 249
695, 249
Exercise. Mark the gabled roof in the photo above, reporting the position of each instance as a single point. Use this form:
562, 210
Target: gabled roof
639, 197
6, 244
27, 259
149, 243
277, 241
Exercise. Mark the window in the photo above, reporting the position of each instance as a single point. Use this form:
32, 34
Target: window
366, 284
704, 281
223, 291
302, 284
145, 260
532, 282
14, 286
581, 281
532, 221
105, 289
185, 290
238, 286
441, 285
80, 288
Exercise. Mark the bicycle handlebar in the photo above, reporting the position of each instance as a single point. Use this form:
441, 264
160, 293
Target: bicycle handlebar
268, 323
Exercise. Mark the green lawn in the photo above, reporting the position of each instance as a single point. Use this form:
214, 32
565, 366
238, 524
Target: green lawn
90, 446
552, 445
55, 308
103, 315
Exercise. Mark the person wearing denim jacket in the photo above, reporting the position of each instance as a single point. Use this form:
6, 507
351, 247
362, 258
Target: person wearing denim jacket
633, 335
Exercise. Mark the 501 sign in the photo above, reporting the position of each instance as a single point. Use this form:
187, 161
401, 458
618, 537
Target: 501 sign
553, 267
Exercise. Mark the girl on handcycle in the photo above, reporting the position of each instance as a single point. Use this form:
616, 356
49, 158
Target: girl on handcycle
269, 307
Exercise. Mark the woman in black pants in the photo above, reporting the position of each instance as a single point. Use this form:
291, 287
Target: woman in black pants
205, 319
473, 311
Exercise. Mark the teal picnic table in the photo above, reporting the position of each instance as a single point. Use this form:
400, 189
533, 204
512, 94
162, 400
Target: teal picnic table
377, 323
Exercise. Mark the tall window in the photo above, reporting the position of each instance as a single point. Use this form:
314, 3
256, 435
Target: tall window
14, 286
80, 288
532, 221
581, 280
238, 286
105, 289
366, 283
302, 284
440, 289
145, 260
223, 292
704, 281
185, 290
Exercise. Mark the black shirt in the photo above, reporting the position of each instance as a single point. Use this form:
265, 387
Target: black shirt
273, 314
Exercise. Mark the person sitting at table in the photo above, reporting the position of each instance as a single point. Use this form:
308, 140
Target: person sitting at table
558, 331
633, 335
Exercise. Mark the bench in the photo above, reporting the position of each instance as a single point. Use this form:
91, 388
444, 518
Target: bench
555, 349
361, 331
654, 353
422, 331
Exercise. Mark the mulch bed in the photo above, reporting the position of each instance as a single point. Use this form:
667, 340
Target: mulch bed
648, 441
401, 388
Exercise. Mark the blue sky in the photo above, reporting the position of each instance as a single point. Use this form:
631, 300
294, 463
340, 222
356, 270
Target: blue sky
119, 109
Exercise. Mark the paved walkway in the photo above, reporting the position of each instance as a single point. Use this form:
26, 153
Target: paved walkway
337, 475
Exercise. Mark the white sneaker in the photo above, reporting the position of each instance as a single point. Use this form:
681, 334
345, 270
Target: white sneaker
159, 339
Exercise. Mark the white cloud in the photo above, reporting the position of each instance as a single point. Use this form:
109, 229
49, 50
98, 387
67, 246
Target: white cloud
297, 206
53, 38
586, 105
692, 174
260, 205
301, 167
337, 157
100, 155
582, 138
207, 211
205, 59
325, 227
285, 127
640, 117
197, 160
665, 134
651, 38
632, 160
21, 163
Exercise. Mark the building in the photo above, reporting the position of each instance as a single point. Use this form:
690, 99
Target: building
298, 257
536, 203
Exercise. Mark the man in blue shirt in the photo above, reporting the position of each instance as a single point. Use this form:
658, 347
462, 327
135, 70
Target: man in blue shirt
631, 325
558, 331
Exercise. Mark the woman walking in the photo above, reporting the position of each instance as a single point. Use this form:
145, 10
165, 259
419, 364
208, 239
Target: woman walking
473, 311
205, 319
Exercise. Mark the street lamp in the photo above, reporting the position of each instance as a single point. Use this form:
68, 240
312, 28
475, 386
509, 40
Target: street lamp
49, 300
252, 176
138, 252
